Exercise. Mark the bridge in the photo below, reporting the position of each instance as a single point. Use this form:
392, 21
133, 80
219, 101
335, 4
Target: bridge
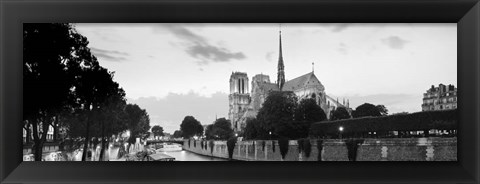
178, 141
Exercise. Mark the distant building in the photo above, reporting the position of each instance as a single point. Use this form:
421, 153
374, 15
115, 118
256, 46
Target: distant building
440, 98
245, 103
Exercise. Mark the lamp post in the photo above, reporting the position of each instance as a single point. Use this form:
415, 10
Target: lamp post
270, 133
341, 130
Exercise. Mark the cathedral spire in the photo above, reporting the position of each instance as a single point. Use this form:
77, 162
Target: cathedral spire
281, 72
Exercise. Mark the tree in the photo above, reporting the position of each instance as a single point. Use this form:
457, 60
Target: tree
366, 109
277, 111
177, 134
309, 111
190, 127
138, 122
209, 134
112, 117
220, 130
340, 113
251, 129
95, 87
157, 130
51, 55
382, 109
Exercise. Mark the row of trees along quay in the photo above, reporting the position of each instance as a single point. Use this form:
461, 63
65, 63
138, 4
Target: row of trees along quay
65, 86
282, 116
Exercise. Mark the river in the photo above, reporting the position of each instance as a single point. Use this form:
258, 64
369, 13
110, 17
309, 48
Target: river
189, 156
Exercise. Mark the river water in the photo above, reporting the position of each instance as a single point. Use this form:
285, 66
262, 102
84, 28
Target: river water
112, 152
189, 156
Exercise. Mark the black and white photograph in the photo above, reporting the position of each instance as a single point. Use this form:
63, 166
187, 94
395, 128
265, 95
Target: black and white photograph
240, 92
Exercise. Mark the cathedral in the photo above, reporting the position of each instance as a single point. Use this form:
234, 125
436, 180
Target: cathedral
245, 104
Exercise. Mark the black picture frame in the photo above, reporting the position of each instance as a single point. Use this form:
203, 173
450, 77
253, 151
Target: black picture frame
466, 13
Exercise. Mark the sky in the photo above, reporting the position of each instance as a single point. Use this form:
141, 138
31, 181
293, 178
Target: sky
175, 70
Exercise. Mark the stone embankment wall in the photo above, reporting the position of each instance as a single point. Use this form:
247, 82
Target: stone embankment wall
389, 149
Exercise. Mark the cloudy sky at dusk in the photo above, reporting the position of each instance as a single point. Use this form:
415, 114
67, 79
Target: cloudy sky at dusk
174, 70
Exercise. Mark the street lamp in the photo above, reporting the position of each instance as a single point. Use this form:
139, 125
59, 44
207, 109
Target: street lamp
270, 133
236, 134
341, 130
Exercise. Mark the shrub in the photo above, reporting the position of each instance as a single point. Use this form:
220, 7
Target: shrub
443, 120
352, 147
231, 145
201, 144
121, 152
320, 148
263, 145
194, 143
211, 146
300, 145
283, 143
307, 147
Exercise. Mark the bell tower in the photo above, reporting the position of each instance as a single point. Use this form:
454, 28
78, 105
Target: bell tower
239, 98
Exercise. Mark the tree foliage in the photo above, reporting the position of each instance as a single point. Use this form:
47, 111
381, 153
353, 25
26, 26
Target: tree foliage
157, 130
64, 85
356, 127
191, 127
177, 134
382, 109
366, 109
277, 111
340, 113
54, 57
220, 130
284, 117
308, 110
138, 122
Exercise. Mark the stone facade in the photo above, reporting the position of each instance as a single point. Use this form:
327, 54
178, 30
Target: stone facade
239, 98
388, 149
440, 98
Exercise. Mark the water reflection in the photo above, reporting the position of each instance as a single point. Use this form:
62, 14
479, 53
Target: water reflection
189, 156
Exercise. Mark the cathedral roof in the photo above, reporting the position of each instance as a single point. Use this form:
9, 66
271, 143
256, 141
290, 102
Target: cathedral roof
335, 101
298, 82
266, 86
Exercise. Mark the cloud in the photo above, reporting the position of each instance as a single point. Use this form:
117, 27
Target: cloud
110, 55
199, 48
169, 111
184, 33
343, 49
213, 53
269, 56
394, 42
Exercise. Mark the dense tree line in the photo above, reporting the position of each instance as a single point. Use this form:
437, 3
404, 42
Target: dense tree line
191, 127
65, 86
157, 130
283, 116
221, 129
